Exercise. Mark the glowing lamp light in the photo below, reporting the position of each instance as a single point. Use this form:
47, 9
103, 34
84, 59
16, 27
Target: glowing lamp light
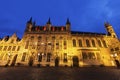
42, 53
8, 54
38, 54
115, 55
42, 43
111, 55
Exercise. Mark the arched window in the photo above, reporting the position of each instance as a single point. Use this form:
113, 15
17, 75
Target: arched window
80, 42
87, 43
93, 43
74, 43
104, 43
99, 43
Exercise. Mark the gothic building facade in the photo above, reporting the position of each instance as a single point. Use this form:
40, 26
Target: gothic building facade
50, 45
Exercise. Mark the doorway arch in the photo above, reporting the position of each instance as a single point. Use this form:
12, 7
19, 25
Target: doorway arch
75, 61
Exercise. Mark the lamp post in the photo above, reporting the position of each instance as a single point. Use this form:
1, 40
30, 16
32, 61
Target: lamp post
39, 59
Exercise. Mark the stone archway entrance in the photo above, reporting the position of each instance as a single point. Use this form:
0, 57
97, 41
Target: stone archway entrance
14, 60
75, 61
57, 62
31, 59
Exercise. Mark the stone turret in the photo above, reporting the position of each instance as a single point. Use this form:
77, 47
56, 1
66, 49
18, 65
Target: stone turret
110, 30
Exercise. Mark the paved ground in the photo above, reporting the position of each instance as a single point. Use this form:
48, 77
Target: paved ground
60, 73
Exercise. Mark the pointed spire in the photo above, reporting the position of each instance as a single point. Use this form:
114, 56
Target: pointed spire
49, 22
106, 24
30, 21
34, 23
14, 35
68, 22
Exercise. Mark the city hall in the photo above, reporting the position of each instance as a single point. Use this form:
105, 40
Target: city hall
52, 45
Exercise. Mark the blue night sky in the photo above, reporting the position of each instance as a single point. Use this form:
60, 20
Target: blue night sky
84, 15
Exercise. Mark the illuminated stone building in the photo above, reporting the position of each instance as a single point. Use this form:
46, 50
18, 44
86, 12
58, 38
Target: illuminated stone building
50, 45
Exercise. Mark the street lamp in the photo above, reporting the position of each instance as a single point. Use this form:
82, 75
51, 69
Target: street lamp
39, 59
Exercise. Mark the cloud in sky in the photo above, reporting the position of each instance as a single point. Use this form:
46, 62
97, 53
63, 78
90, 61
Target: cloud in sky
85, 15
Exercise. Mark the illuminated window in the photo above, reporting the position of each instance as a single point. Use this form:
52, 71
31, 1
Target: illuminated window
91, 55
23, 57
9, 48
87, 43
93, 43
13, 49
104, 43
65, 44
18, 48
65, 57
80, 42
74, 43
26, 46
84, 55
5, 48
99, 43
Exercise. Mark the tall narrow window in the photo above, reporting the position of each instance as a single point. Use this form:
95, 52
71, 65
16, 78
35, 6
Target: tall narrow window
74, 43
80, 42
18, 48
23, 56
48, 57
65, 45
26, 45
9, 48
104, 43
5, 48
65, 57
13, 49
93, 43
39, 57
87, 43
84, 54
99, 43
